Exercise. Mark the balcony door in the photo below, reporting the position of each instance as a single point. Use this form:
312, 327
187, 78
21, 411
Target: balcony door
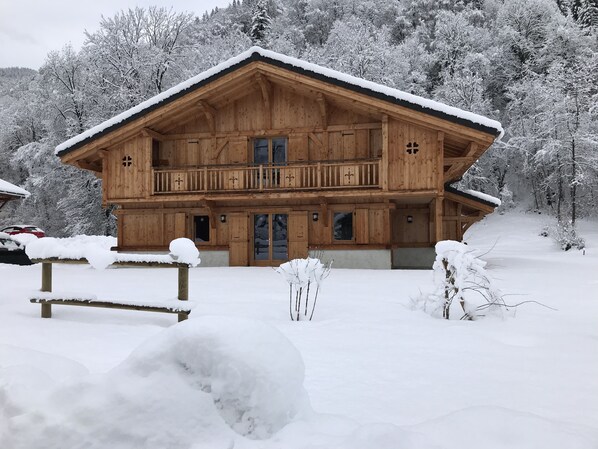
270, 239
270, 153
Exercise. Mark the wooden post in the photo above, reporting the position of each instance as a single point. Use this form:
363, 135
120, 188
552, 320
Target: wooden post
319, 175
384, 160
183, 289
261, 177
46, 287
438, 215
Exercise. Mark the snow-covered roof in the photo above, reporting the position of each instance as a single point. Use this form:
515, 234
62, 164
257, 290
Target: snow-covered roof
7, 188
259, 54
484, 198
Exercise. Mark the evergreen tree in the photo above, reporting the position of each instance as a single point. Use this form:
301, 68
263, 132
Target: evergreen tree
260, 24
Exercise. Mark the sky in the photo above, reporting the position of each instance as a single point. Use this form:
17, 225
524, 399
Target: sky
29, 29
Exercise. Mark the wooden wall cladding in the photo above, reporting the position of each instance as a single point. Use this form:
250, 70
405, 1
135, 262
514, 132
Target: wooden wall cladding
298, 147
141, 230
298, 235
128, 169
318, 233
416, 232
451, 229
372, 226
182, 153
413, 154
154, 230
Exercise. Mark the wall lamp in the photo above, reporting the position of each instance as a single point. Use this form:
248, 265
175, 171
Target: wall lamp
315, 216
222, 218
409, 218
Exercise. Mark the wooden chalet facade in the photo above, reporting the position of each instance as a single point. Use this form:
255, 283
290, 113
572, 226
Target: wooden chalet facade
265, 158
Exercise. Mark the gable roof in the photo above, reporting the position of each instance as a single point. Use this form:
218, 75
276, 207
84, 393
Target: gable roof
350, 82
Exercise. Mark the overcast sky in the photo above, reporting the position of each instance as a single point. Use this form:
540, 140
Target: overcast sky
29, 29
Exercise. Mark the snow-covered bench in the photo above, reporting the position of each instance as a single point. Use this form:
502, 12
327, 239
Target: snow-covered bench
96, 251
48, 299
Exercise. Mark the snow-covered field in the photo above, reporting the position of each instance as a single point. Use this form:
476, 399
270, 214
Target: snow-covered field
377, 373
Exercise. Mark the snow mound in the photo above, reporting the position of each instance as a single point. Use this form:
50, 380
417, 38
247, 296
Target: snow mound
252, 372
184, 251
201, 383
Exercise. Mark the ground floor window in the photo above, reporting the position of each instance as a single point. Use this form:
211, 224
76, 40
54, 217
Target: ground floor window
343, 226
202, 228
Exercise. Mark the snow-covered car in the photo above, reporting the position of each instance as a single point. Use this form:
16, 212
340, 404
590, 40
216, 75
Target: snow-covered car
23, 229
11, 251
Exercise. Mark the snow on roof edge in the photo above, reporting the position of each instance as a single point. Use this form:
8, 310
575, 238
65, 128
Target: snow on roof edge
11, 189
483, 196
474, 195
414, 100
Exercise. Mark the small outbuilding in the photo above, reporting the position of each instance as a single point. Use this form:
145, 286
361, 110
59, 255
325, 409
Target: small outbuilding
10, 191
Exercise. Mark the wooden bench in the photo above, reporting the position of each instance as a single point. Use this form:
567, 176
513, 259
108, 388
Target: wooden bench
46, 303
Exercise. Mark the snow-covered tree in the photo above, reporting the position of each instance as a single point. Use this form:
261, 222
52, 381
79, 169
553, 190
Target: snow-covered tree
260, 24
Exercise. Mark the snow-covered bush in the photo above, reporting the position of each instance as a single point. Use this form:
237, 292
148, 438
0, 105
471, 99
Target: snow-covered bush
464, 289
305, 277
566, 236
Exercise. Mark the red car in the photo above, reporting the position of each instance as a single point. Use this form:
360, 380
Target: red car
24, 229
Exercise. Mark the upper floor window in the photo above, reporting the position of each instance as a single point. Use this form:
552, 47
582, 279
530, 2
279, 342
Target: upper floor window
271, 150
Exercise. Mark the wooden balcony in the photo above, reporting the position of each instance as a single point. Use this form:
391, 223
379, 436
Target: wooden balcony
266, 178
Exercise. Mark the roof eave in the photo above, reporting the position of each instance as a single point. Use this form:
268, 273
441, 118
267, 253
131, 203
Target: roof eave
450, 189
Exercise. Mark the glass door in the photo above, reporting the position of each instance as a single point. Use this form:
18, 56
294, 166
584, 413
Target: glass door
270, 153
270, 240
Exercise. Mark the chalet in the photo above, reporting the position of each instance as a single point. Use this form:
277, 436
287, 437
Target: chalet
265, 158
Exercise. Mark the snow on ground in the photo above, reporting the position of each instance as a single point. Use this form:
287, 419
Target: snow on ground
378, 374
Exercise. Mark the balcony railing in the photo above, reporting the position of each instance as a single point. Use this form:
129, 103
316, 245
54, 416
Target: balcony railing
271, 177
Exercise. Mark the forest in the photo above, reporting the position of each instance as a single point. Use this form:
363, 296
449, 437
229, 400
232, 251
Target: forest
532, 65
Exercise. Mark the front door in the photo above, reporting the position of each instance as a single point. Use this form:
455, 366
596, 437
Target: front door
270, 239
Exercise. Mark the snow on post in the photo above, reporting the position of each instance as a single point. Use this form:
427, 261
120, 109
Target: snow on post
184, 250
301, 275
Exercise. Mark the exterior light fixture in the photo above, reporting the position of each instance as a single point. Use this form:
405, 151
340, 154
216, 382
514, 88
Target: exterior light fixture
222, 218
409, 218
315, 216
